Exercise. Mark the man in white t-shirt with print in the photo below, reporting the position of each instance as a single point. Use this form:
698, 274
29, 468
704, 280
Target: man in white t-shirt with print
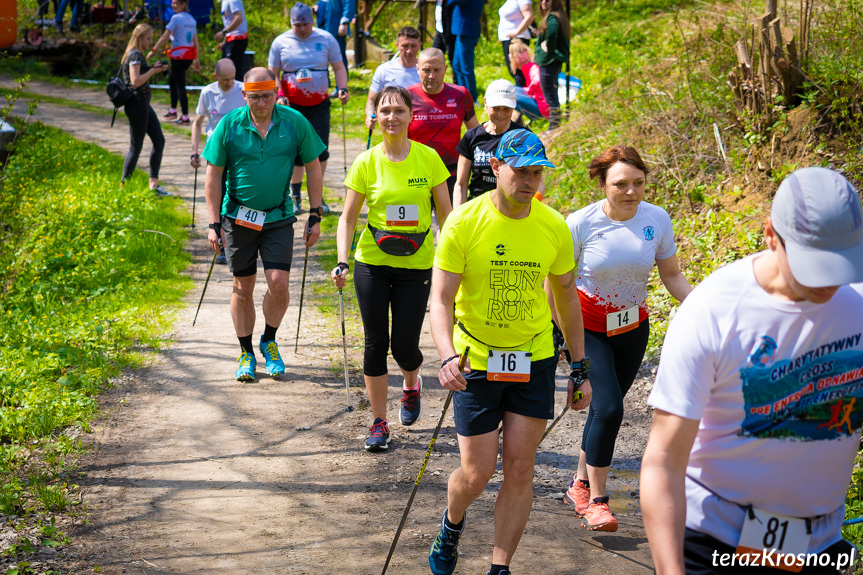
233, 38
216, 100
400, 71
759, 398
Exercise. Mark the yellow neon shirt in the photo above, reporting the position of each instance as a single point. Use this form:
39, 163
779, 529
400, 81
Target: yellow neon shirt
405, 183
503, 263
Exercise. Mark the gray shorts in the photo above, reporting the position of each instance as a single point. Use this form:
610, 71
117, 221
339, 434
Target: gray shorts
275, 243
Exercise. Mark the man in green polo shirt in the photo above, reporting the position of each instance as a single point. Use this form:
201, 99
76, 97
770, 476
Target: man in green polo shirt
257, 144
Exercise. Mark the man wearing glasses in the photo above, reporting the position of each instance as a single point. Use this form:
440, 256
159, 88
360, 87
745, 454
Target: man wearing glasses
256, 144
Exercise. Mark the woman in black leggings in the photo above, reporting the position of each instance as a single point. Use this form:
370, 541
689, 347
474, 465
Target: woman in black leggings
617, 242
182, 31
398, 179
142, 118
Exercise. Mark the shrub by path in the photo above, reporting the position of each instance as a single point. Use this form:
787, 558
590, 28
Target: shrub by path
192, 472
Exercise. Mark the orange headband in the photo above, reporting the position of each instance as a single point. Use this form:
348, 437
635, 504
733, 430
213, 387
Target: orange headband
254, 86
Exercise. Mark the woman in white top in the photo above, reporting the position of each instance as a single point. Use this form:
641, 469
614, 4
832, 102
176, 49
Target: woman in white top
617, 241
516, 16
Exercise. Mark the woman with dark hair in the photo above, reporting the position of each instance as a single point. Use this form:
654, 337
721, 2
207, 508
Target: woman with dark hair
398, 179
552, 50
617, 242
142, 118
182, 30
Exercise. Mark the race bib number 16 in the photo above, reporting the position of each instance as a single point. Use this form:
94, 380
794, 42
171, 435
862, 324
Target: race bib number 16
508, 365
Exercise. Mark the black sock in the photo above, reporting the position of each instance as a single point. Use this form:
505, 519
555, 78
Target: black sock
246, 344
296, 189
497, 569
269, 333
585, 484
453, 526
601, 499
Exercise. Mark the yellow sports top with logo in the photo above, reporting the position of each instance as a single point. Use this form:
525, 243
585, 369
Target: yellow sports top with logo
406, 183
503, 263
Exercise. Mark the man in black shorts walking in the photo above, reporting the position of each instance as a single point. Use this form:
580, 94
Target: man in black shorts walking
256, 144
492, 259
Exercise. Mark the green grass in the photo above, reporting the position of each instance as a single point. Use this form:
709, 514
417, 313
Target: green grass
86, 286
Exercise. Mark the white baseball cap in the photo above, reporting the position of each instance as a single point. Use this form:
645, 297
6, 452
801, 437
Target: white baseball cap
819, 217
500, 93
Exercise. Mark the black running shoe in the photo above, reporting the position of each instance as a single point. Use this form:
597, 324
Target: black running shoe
379, 436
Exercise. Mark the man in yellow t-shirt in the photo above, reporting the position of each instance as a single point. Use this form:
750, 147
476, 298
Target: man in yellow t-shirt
493, 257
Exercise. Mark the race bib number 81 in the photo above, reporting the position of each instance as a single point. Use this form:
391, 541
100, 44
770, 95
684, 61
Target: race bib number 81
508, 366
772, 540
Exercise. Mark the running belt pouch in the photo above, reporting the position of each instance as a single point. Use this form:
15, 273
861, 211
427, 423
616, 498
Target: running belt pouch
398, 243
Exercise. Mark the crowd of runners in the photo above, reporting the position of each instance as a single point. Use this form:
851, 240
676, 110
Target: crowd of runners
756, 420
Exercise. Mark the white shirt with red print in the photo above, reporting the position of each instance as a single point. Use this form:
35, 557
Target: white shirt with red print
615, 259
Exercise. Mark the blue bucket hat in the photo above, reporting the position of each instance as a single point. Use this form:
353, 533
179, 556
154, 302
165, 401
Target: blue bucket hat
520, 148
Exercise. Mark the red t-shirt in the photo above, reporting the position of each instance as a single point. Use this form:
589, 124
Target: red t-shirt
438, 118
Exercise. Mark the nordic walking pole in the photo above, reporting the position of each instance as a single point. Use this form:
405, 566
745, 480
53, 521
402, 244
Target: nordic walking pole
575, 397
205, 286
461, 363
344, 142
194, 197
348, 406
302, 291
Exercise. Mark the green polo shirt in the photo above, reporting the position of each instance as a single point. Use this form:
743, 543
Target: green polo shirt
259, 172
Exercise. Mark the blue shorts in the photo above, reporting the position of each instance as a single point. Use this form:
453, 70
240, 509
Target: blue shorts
479, 408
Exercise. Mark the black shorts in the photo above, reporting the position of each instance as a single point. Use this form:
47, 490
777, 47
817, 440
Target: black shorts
706, 555
319, 117
275, 243
479, 408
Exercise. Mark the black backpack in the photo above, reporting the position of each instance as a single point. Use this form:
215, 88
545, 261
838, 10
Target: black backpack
119, 92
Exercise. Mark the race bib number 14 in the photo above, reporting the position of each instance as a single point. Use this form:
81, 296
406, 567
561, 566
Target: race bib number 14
621, 321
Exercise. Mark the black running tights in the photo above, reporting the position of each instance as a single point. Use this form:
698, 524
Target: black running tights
614, 363
177, 83
406, 291
143, 122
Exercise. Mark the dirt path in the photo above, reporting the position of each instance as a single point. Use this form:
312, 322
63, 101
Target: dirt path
192, 472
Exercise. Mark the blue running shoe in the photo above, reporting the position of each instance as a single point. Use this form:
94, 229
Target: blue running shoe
379, 436
412, 405
246, 369
443, 554
270, 351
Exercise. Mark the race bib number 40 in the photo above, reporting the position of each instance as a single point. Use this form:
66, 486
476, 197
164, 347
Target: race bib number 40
772, 540
249, 218
621, 321
408, 215
508, 366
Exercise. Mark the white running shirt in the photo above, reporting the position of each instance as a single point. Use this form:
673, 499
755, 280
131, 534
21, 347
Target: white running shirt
615, 259
392, 73
511, 16
770, 382
215, 104
229, 8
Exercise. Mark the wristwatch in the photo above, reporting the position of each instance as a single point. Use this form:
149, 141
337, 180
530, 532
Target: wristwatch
580, 371
319, 211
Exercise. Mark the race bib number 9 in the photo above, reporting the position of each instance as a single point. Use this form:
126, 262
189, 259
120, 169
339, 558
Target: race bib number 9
621, 321
771, 540
249, 218
508, 366
408, 215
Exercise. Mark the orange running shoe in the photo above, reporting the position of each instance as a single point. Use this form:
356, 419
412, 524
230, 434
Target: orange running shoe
577, 496
599, 517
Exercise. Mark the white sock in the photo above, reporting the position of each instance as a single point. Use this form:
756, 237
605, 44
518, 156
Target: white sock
416, 385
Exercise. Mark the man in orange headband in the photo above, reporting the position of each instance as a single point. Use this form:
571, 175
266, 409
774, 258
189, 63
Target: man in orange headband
256, 144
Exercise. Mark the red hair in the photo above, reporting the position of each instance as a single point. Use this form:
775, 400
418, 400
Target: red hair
600, 165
